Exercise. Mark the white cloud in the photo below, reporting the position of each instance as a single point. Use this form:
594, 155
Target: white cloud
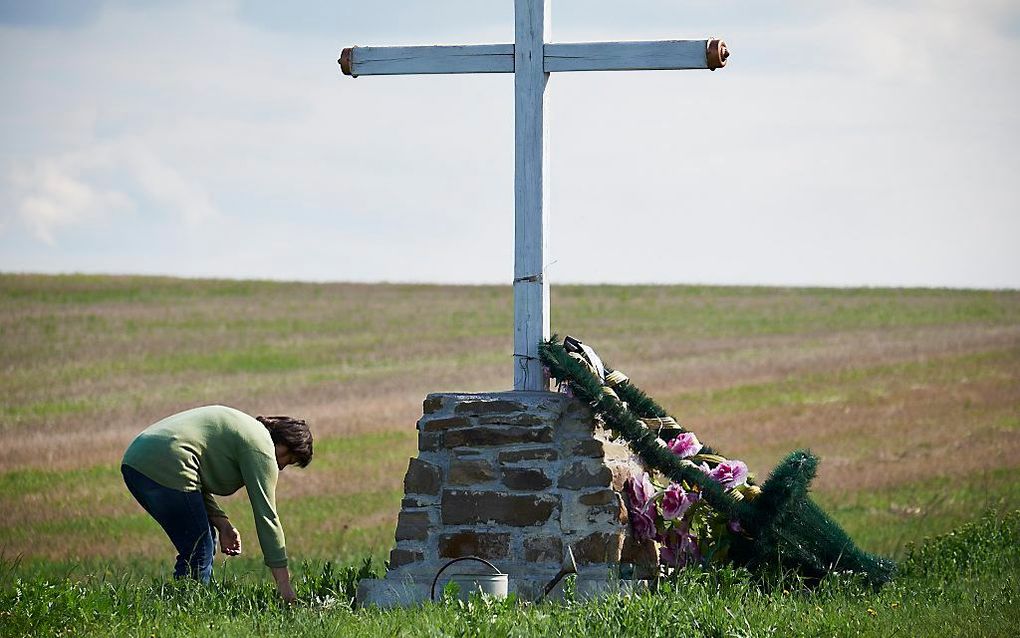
166, 186
51, 195
922, 41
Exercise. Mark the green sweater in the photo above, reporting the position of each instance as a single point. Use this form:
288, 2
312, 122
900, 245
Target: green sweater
216, 450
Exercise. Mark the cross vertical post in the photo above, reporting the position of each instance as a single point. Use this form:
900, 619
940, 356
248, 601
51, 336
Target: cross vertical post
531, 168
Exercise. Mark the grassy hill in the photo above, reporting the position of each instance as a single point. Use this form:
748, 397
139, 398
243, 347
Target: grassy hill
911, 397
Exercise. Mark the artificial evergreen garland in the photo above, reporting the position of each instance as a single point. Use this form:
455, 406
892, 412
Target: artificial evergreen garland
776, 525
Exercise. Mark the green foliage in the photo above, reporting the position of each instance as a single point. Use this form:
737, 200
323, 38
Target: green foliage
964, 550
329, 587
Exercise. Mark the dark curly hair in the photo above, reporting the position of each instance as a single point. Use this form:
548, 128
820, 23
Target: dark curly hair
293, 433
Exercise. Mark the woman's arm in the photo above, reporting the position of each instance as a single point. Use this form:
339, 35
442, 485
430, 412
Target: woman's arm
260, 474
212, 508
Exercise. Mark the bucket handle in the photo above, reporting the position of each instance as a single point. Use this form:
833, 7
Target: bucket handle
432, 594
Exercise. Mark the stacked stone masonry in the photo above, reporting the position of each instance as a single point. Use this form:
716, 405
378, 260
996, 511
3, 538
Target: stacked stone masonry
515, 478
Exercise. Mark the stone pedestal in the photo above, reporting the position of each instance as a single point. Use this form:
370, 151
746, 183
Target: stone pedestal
515, 478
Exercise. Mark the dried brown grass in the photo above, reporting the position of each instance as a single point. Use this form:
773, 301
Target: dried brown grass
889, 387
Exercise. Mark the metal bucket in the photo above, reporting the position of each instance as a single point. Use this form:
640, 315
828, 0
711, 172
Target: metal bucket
495, 584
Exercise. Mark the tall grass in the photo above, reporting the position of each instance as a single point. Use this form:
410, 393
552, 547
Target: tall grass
964, 583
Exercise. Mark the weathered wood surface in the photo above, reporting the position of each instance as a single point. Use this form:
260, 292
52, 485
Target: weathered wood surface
627, 56
474, 58
499, 58
531, 170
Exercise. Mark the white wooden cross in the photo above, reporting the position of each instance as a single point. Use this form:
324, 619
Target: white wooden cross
531, 58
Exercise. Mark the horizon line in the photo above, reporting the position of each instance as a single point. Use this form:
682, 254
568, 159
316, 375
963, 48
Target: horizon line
508, 284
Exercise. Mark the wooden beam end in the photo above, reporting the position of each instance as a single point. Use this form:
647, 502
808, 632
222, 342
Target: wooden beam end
346, 61
717, 54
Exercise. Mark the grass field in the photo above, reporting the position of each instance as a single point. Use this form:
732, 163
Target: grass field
910, 397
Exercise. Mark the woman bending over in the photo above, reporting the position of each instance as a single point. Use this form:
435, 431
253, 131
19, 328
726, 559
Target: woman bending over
175, 466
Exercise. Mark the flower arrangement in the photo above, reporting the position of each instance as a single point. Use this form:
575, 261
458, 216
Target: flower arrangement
707, 508
687, 530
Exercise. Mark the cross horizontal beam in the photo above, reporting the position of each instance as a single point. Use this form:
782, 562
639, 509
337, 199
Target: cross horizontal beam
471, 58
499, 58
627, 56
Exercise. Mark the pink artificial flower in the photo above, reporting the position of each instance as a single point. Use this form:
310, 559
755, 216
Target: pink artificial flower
639, 491
676, 501
679, 548
642, 521
685, 445
730, 474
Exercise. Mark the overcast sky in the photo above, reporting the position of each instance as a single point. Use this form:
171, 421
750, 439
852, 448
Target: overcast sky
847, 143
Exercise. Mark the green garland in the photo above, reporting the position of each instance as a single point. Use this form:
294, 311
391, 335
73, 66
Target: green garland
782, 527
644, 406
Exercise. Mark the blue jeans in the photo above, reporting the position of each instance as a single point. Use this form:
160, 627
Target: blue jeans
183, 517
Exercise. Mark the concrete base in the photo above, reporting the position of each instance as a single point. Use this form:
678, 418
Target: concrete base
387, 593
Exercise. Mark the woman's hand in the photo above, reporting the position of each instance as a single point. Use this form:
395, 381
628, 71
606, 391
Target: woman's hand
282, 577
230, 538
230, 541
